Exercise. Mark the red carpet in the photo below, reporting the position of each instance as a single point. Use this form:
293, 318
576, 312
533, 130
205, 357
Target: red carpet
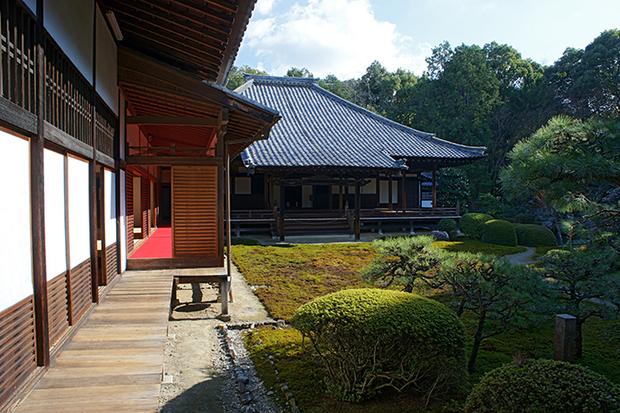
159, 245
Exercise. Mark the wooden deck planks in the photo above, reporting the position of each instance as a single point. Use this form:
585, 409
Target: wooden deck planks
114, 362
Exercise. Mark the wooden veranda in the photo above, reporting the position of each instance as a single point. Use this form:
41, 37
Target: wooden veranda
281, 223
114, 362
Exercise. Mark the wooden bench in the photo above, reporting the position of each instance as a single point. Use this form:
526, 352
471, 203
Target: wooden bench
208, 275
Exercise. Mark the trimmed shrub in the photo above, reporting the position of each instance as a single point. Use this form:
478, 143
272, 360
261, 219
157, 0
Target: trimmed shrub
446, 224
369, 339
499, 232
543, 386
525, 218
532, 235
471, 224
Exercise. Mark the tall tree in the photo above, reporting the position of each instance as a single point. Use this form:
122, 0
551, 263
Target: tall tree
588, 81
297, 72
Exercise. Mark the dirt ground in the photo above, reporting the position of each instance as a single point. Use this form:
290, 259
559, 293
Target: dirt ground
198, 374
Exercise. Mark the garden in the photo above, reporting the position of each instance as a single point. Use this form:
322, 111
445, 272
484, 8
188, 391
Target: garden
415, 324
330, 333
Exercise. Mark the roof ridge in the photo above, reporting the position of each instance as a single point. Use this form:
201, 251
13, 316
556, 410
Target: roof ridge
281, 80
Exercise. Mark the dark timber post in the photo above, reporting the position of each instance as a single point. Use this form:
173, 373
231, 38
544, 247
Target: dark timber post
390, 203
357, 211
37, 193
434, 189
92, 174
282, 205
404, 193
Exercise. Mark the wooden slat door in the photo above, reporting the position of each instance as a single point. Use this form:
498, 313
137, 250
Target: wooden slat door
129, 207
195, 225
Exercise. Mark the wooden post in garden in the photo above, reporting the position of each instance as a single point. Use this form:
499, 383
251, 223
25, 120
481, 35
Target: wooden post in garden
565, 337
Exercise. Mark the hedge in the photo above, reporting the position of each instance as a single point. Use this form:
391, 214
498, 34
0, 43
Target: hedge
532, 235
543, 386
446, 224
525, 218
370, 339
471, 224
499, 232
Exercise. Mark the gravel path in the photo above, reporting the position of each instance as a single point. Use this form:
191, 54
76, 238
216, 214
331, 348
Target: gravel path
206, 367
522, 258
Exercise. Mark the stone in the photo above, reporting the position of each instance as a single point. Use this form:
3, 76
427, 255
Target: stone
441, 235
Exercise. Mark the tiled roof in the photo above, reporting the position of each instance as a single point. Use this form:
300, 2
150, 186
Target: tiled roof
321, 129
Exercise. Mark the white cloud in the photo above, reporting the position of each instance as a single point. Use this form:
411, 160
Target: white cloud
264, 6
341, 37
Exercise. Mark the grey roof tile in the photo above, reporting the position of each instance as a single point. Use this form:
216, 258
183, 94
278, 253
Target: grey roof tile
319, 128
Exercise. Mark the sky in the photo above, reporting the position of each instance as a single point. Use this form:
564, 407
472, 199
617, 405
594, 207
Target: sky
343, 37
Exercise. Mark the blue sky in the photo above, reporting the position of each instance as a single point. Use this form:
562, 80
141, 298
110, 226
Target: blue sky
343, 37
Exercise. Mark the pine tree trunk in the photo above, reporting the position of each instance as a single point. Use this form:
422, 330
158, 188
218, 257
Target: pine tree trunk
477, 341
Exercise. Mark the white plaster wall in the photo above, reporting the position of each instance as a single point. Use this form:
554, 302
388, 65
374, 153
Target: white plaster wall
106, 63
71, 24
15, 225
79, 224
55, 237
110, 207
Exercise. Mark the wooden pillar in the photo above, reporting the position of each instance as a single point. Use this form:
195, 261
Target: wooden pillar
404, 192
390, 203
37, 194
358, 225
92, 175
282, 208
340, 199
226, 285
434, 189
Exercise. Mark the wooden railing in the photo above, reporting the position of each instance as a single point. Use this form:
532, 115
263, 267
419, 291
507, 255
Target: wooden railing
68, 99
17, 55
68, 95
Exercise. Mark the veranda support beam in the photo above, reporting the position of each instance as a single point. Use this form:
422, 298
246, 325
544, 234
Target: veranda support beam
171, 120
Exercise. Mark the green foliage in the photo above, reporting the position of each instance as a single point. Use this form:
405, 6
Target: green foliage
568, 165
500, 232
446, 224
476, 246
403, 261
471, 224
543, 386
489, 204
491, 289
525, 218
587, 80
297, 72
532, 235
585, 283
452, 188
235, 78
370, 339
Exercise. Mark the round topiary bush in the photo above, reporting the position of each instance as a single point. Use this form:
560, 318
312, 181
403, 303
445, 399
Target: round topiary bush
525, 218
543, 386
369, 339
499, 232
532, 235
446, 224
471, 224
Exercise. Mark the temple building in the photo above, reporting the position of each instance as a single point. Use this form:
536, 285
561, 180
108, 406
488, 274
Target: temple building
330, 165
